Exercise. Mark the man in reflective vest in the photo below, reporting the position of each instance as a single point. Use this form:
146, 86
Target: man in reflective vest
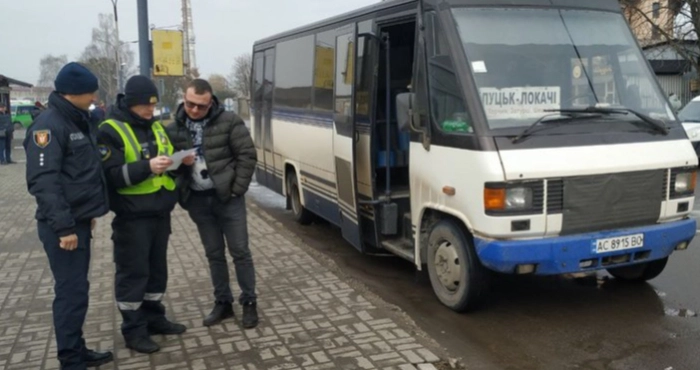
135, 155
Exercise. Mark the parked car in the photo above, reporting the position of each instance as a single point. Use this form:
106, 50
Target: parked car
22, 114
690, 118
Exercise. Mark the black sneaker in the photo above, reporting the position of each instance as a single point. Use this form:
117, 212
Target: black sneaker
220, 312
250, 315
165, 327
96, 359
142, 345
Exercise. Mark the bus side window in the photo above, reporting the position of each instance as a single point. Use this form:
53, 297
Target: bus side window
446, 101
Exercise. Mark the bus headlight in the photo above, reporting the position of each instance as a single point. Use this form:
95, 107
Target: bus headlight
518, 199
685, 182
513, 198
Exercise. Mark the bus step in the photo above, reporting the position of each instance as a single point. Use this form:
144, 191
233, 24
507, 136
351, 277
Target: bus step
400, 247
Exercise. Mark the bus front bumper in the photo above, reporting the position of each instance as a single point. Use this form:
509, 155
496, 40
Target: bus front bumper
578, 253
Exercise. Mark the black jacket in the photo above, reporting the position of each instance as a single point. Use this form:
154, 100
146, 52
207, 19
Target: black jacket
63, 167
227, 147
157, 204
6, 124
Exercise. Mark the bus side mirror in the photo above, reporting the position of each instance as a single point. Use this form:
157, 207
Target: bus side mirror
404, 111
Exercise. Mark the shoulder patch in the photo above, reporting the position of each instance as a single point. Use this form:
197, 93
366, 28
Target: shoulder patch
105, 152
42, 138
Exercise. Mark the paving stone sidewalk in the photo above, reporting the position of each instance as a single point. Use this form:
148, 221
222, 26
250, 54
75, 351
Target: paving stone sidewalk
310, 318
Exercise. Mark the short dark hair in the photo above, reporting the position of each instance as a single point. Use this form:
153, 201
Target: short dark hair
200, 86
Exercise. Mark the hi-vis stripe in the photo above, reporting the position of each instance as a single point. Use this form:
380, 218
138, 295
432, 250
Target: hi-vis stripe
128, 306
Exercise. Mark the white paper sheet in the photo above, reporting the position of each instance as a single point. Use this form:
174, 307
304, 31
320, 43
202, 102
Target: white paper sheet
177, 158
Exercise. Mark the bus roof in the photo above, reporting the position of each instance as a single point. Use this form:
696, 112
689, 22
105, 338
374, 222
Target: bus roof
328, 21
607, 5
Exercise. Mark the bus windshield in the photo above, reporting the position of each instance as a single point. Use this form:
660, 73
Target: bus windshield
526, 61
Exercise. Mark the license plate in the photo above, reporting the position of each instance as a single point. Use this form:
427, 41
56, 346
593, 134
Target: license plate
619, 243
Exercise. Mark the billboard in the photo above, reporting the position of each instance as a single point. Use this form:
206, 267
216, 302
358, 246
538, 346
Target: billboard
167, 53
323, 73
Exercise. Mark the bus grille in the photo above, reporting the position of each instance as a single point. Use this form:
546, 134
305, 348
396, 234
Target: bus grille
610, 201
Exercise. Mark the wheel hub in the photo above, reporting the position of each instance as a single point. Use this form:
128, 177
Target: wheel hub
447, 266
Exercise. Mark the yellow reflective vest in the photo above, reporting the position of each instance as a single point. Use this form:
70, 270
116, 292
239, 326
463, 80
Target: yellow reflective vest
133, 153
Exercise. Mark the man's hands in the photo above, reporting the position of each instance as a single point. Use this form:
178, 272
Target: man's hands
160, 164
189, 160
69, 242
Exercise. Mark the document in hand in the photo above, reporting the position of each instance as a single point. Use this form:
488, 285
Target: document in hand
177, 158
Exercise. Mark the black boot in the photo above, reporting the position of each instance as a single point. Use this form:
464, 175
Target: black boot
142, 345
165, 327
250, 315
220, 312
95, 359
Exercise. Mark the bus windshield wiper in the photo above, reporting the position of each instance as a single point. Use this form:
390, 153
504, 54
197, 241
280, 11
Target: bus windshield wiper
562, 116
656, 125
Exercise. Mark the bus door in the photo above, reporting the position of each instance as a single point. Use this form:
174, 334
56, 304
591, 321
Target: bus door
257, 116
364, 129
344, 135
268, 157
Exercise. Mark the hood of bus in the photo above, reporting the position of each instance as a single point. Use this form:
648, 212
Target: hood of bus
541, 163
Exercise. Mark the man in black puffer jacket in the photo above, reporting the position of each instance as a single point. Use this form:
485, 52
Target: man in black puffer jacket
135, 156
213, 193
65, 176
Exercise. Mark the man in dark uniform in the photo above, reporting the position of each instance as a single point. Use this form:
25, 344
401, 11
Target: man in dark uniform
135, 156
8, 138
5, 126
65, 177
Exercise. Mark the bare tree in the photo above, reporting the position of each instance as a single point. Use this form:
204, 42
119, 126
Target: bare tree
49, 66
174, 88
221, 86
240, 75
675, 22
99, 57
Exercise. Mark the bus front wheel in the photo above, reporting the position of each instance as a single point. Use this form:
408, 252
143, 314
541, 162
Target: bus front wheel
640, 272
302, 215
459, 280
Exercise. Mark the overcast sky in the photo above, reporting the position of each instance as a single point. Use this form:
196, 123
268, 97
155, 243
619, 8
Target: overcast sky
224, 29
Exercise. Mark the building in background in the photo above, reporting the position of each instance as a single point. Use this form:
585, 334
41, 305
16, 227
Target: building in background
32, 94
656, 25
7, 88
675, 73
651, 21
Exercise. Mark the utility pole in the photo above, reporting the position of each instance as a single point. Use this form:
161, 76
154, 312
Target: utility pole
144, 46
117, 50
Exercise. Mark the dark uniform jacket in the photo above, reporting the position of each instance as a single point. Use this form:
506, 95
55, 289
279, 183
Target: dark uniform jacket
160, 203
63, 167
6, 125
228, 150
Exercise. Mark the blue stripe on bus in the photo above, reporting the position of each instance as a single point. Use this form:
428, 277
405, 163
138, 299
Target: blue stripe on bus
318, 179
322, 206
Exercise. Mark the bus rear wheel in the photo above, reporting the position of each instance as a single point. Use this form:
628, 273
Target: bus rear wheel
302, 215
459, 280
640, 272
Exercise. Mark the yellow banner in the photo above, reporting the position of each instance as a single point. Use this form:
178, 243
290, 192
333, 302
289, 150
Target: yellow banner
167, 53
323, 75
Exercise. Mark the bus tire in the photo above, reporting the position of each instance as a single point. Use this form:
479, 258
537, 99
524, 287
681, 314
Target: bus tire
302, 215
639, 273
459, 280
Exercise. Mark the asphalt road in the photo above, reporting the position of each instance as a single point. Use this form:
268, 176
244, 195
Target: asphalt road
537, 322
